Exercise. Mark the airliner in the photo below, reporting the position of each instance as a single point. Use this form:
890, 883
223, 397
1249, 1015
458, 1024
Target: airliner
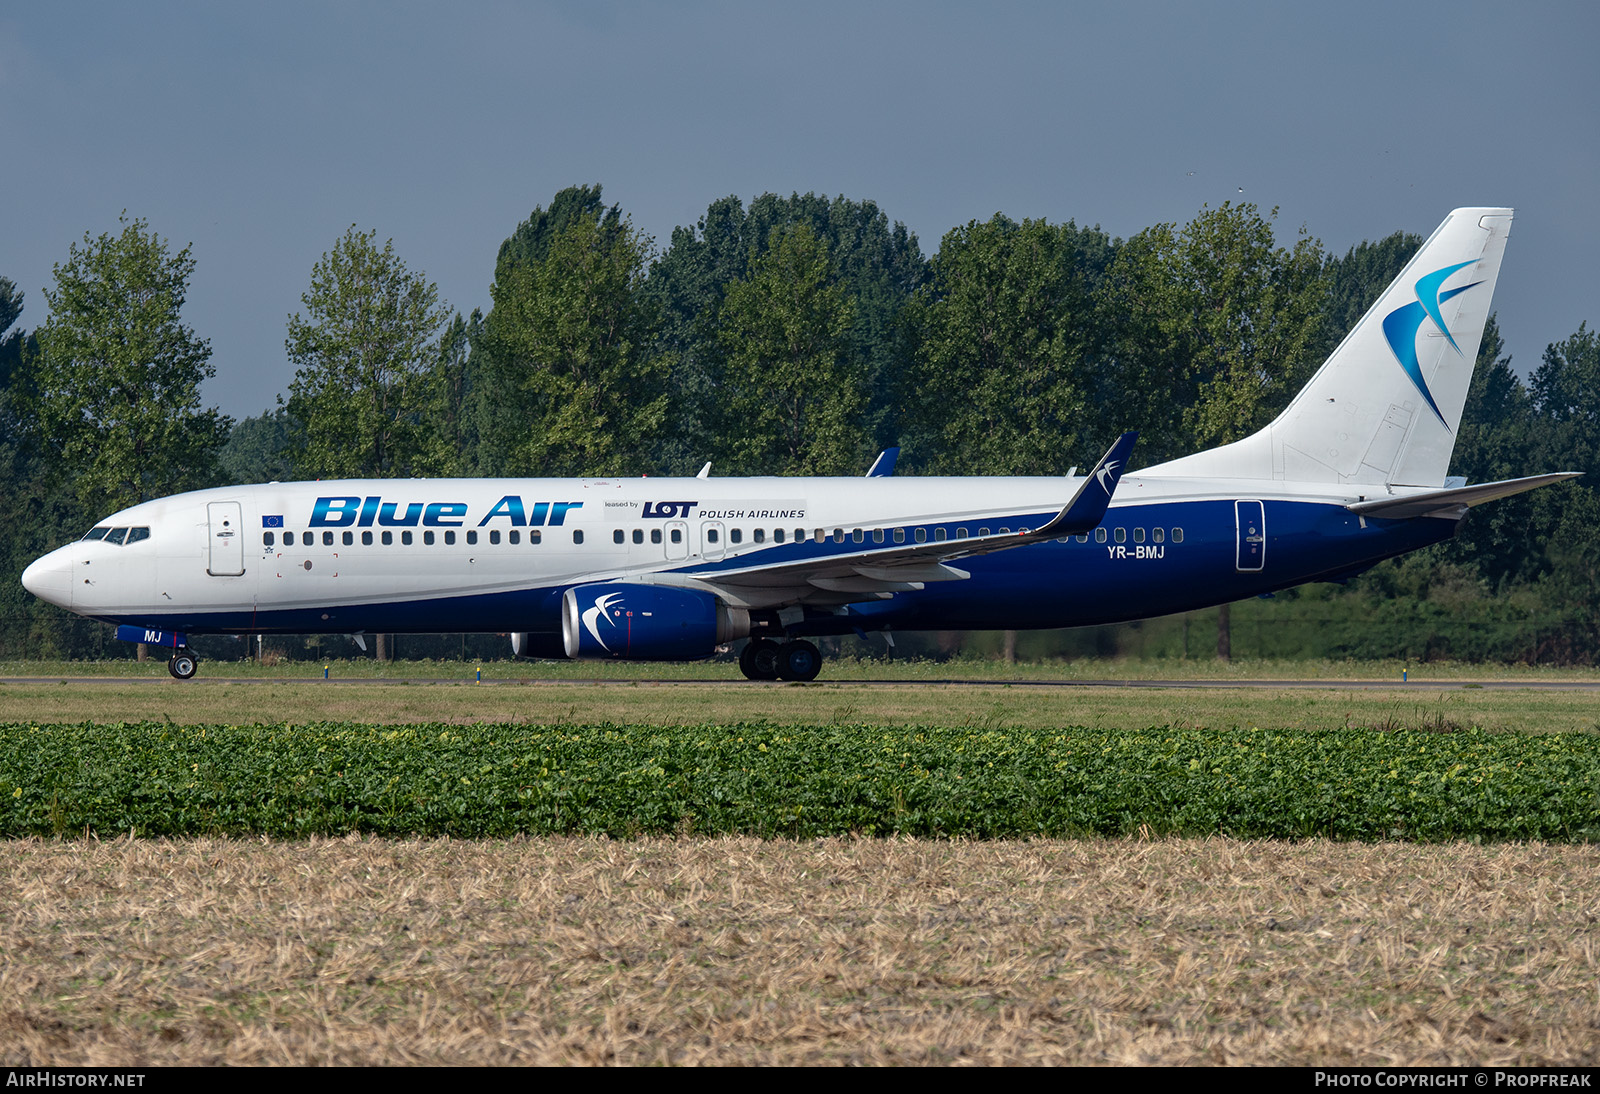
1352, 472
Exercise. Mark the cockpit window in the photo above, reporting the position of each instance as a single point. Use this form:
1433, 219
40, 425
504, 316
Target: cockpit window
136, 534
116, 535
96, 533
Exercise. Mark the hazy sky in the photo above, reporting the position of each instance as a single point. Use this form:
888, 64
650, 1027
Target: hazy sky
261, 132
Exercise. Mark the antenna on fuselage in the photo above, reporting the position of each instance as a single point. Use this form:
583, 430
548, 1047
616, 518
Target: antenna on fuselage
705, 472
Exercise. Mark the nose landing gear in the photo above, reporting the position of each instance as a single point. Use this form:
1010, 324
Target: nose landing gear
183, 665
764, 659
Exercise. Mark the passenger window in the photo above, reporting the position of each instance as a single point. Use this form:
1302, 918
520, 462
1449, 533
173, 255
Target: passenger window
983, 531
449, 539
1005, 531
1157, 535
534, 535
711, 535
677, 535
1177, 535
577, 535
388, 539
1082, 537
638, 535
427, 539
1122, 535
1099, 535
921, 535
472, 538
838, 535
799, 535
961, 533
327, 539
494, 535
1138, 535
858, 535
759, 535
821, 536
735, 535
266, 537
366, 539
100, 533
349, 538
617, 536
899, 535
655, 535
877, 535
405, 538
940, 535
288, 538
513, 536
777, 535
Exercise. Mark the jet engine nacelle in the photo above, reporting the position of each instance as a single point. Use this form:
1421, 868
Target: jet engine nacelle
647, 622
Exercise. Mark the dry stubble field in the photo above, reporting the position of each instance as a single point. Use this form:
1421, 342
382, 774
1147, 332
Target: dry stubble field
733, 951
743, 951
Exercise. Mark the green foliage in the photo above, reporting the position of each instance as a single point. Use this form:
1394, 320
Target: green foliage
566, 385
258, 449
876, 263
1221, 327
114, 389
791, 394
1006, 328
975, 782
364, 386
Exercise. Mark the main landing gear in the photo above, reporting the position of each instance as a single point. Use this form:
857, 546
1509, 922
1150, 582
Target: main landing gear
764, 659
183, 665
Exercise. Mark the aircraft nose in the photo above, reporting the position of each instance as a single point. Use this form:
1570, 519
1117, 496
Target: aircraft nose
50, 578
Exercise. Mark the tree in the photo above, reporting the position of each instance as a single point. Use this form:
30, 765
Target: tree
1223, 330
1003, 382
565, 383
115, 384
790, 397
877, 263
365, 385
256, 449
1222, 326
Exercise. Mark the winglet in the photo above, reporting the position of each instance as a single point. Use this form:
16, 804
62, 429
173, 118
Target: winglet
1088, 506
883, 466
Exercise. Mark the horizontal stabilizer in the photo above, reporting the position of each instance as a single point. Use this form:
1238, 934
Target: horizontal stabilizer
1452, 503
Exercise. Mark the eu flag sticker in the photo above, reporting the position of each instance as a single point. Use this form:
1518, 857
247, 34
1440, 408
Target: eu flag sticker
272, 522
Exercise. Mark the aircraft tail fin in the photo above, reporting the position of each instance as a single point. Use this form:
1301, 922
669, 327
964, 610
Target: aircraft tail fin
1386, 404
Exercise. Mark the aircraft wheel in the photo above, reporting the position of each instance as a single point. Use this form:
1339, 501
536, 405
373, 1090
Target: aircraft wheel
759, 659
183, 665
799, 661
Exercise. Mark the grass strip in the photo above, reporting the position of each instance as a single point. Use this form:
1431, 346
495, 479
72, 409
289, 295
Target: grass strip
295, 781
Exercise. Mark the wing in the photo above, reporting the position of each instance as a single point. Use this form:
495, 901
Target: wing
839, 578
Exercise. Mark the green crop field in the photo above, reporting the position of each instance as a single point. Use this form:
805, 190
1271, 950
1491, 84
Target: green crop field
497, 780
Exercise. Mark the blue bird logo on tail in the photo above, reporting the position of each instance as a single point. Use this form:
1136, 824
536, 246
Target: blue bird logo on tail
1401, 325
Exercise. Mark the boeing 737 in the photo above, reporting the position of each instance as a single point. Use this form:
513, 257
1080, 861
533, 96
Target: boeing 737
1351, 473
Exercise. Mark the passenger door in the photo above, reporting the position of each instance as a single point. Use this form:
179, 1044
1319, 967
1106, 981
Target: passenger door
225, 545
1250, 531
